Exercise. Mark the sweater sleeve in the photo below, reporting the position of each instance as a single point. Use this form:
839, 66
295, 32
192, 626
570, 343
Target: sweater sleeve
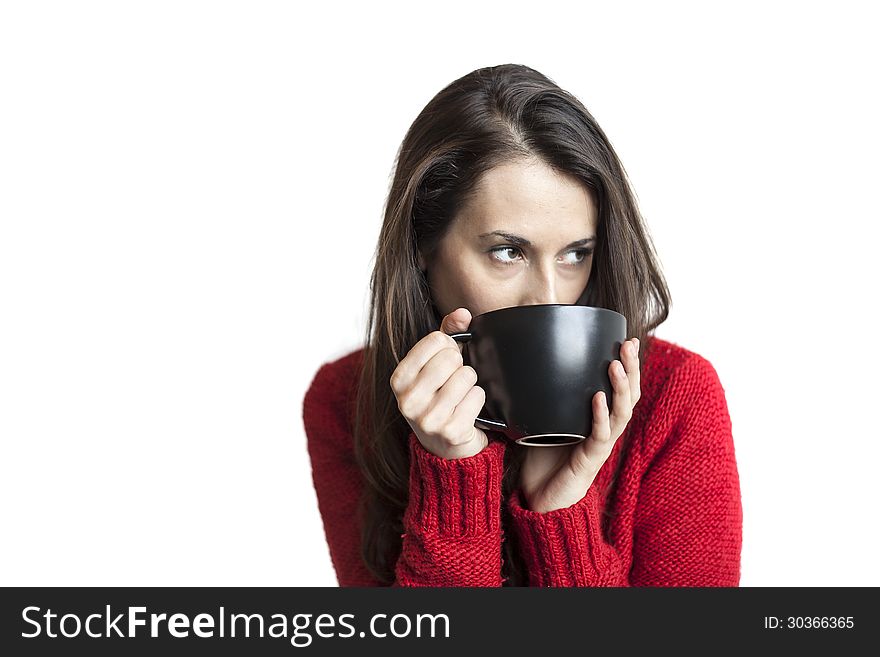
452, 523
688, 522
565, 547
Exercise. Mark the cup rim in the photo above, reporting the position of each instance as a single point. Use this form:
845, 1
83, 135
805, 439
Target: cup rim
547, 305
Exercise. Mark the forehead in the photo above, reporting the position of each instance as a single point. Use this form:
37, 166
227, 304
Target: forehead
528, 192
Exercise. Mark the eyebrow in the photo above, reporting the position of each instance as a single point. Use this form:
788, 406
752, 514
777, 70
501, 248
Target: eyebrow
522, 241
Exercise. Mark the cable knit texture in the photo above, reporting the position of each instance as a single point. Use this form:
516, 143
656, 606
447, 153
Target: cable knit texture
672, 517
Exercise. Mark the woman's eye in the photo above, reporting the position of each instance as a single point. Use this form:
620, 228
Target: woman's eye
582, 255
504, 249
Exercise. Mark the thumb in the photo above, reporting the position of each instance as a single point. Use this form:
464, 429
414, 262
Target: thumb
457, 321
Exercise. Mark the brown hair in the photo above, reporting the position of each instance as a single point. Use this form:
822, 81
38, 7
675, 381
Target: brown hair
488, 117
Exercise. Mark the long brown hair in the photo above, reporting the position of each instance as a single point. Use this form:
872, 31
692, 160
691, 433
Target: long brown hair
488, 117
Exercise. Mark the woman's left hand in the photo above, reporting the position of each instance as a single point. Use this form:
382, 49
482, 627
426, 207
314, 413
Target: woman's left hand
558, 477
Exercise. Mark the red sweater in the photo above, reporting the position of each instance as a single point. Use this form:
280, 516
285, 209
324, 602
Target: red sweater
675, 510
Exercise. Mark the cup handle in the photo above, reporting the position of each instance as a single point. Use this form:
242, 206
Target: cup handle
488, 425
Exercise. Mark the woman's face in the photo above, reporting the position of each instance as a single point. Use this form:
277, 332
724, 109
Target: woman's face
527, 237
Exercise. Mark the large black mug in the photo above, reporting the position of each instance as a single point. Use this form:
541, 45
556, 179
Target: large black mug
540, 366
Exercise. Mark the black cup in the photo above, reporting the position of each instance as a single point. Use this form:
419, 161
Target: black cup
540, 366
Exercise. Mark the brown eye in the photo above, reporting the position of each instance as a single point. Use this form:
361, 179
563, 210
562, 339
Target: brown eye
583, 255
503, 249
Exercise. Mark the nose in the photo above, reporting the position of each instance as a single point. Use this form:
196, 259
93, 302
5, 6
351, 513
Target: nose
542, 287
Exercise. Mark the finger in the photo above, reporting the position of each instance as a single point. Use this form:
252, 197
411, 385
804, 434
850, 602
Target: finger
601, 421
449, 397
413, 400
621, 405
438, 370
458, 321
467, 410
407, 370
631, 365
592, 453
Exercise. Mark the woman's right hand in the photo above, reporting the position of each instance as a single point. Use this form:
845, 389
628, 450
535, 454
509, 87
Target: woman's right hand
437, 394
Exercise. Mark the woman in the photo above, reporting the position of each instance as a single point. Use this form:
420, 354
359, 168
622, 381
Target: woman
506, 192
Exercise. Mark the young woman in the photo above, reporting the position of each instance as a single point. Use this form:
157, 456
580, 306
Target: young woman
506, 192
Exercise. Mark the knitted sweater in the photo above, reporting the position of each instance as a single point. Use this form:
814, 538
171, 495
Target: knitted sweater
673, 516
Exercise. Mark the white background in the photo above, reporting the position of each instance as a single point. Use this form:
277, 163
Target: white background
190, 195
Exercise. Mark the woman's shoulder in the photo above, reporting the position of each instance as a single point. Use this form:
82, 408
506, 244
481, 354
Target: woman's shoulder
331, 392
666, 358
678, 382
338, 371
683, 404
670, 368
